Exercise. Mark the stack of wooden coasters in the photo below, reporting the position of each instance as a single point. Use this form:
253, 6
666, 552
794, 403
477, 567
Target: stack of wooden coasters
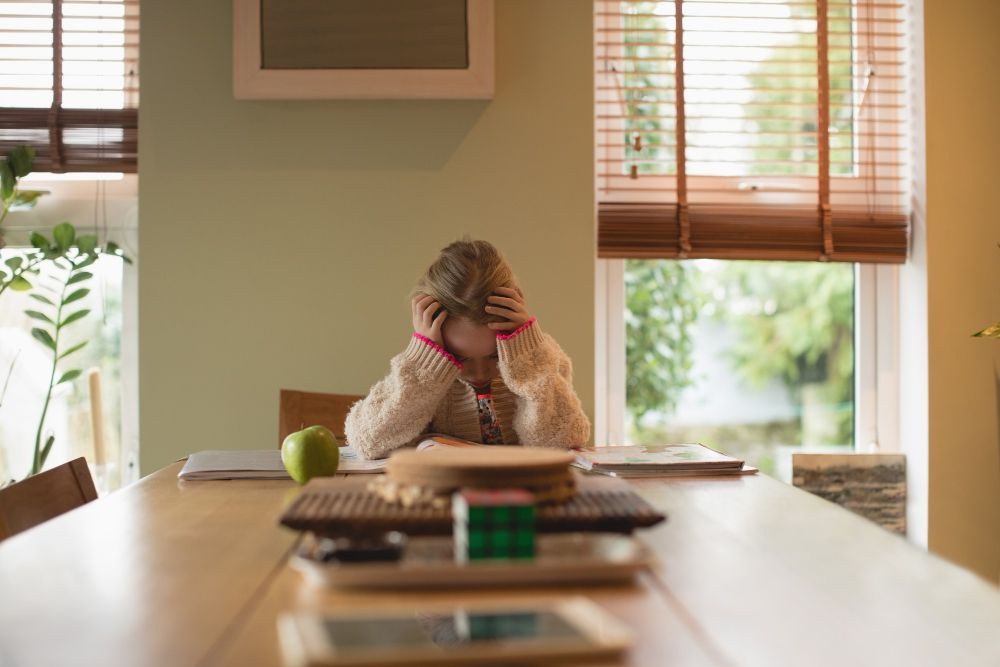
427, 479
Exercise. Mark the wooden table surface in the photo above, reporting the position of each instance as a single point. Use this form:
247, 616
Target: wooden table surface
750, 572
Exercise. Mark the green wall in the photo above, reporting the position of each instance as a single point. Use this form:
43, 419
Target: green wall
279, 239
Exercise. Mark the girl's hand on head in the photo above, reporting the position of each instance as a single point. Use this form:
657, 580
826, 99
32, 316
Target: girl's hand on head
425, 323
509, 303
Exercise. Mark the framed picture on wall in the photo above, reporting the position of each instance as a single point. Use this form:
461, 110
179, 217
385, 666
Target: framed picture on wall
363, 49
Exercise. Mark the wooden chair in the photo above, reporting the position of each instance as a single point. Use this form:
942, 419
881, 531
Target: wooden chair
299, 409
45, 496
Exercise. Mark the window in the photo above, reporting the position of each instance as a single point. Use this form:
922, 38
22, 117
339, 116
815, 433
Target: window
751, 130
755, 357
738, 130
760, 359
69, 71
85, 415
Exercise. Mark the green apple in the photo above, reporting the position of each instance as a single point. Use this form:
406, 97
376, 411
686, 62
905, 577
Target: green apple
311, 452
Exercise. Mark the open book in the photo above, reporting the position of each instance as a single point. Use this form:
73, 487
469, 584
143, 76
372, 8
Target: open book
432, 440
633, 460
261, 464
660, 460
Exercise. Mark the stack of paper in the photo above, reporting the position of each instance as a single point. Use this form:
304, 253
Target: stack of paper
261, 464
660, 460
350, 462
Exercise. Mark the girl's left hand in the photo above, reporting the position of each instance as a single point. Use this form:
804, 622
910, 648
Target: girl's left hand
508, 303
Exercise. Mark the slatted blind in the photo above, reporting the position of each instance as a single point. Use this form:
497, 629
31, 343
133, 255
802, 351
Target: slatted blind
69, 83
773, 129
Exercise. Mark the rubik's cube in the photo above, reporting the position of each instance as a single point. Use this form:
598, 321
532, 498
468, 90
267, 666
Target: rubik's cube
493, 524
514, 625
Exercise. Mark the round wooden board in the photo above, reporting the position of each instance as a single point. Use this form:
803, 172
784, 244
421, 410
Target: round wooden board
495, 466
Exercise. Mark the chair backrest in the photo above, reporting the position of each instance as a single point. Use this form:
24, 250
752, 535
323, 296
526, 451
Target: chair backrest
45, 496
299, 409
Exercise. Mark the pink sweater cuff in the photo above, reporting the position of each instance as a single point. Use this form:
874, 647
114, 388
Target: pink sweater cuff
515, 332
443, 352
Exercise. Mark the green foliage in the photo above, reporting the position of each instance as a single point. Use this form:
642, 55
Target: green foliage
796, 320
52, 329
661, 306
795, 324
21, 271
13, 168
64, 259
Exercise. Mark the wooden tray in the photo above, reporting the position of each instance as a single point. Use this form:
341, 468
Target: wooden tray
573, 558
345, 507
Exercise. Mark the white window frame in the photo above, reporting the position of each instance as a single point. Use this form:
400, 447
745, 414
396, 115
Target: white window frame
876, 360
609, 343
876, 366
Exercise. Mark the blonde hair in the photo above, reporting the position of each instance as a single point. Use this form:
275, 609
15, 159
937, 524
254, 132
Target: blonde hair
463, 276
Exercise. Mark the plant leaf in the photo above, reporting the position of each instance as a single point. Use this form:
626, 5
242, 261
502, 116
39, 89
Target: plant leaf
20, 284
992, 331
36, 315
14, 262
39, 241
44, 454
7, 180
42, 298
86, 243
87, 262
64, 234
76, 296
74, 317
79, 277
43, 336
72, 350
26, 199
21, 159
69, 376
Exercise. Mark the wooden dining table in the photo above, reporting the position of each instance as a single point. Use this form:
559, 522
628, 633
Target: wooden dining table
748, 571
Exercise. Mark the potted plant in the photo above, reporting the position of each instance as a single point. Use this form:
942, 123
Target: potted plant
63, 261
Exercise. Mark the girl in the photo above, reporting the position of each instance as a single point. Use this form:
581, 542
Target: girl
477, 367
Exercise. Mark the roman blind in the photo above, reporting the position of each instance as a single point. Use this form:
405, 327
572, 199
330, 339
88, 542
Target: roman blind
773, 129
69, 83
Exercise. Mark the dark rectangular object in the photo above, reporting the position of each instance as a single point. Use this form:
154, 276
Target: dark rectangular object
364, 34
346, 507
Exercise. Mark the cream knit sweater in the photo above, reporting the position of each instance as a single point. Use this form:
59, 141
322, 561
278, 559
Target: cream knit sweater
533, 397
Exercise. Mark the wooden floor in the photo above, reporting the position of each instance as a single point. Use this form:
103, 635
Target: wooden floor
750, 572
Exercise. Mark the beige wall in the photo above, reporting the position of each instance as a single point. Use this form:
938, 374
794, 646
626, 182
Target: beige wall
963, 278
279, 239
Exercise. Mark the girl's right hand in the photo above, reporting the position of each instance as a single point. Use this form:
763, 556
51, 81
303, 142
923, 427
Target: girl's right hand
424, 321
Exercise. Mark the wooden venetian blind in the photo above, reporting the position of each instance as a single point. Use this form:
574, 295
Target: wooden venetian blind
752, 130
69, 83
